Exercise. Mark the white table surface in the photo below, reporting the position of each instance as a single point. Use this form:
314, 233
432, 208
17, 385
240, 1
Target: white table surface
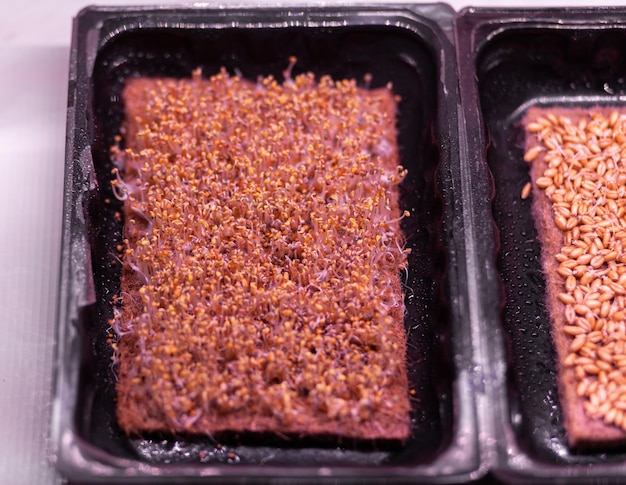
34, 52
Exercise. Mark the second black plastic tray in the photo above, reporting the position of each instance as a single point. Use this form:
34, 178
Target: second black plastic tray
510, 60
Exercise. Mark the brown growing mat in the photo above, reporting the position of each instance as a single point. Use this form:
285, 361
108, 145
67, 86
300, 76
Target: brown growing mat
261, 285
578, 171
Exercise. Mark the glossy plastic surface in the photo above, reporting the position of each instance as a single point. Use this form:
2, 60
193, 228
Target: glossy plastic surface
407, 46
508, 62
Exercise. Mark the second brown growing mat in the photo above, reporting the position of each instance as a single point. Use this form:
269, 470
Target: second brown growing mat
579, 207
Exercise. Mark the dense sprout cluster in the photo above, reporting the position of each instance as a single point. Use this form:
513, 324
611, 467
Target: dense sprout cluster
262, 259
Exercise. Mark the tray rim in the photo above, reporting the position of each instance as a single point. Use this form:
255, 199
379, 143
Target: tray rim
77, 459
475, 28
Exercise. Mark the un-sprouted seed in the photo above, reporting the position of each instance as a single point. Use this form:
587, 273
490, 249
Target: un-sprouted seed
585, 180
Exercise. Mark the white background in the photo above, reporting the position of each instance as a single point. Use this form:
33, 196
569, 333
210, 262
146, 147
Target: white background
34, 52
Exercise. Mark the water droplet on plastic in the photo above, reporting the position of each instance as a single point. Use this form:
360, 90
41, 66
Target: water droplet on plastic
608, 89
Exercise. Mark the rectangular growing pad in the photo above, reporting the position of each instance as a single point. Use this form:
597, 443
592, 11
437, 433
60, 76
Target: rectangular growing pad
261, 283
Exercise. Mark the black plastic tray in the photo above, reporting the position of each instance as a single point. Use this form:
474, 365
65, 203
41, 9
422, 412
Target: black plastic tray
510, 60
409, 46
